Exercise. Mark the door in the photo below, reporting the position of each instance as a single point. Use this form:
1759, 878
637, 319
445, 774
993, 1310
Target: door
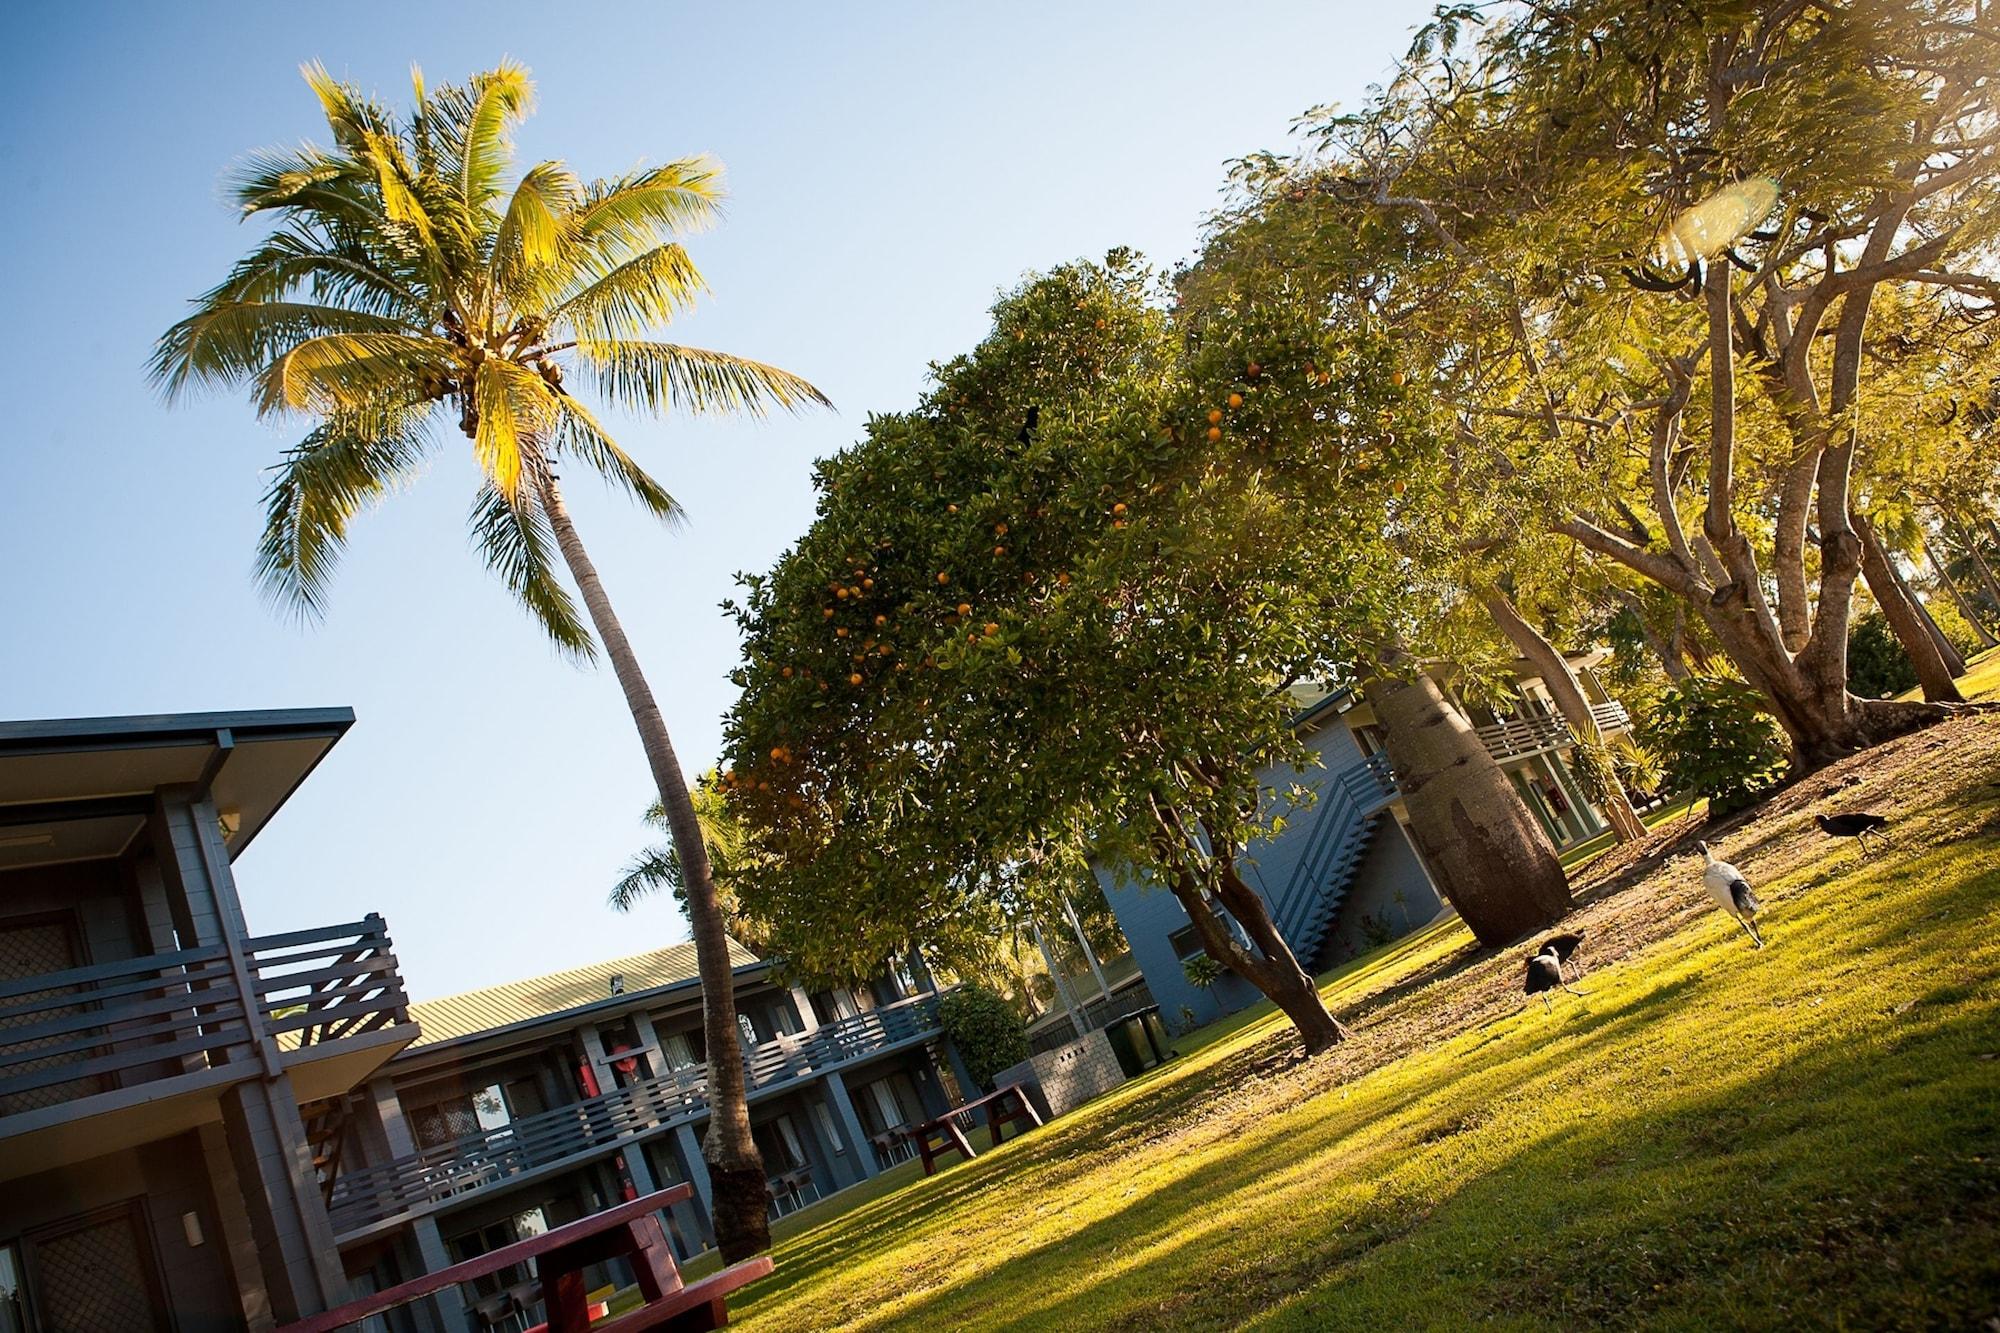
96, 1274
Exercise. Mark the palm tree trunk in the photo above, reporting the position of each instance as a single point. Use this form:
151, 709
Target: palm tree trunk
1546, 658
739, 1191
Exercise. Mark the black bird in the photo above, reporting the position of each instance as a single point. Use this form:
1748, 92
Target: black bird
1545, 973
1565, 946
1028, 426
1855, 825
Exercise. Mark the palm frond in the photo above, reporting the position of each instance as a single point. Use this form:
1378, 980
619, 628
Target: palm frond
514, 405
640, 294
229, 342
513, 538
634, 212
532, 233
579, 435
655, 376
334, 372
322, 483
651, 871
352, 117
499, 99
340, 273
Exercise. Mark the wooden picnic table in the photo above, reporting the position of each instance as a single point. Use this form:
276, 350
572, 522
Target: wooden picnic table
942, 1135
631, 1231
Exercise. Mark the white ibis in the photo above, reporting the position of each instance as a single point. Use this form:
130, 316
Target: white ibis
1856, 825
1725, 884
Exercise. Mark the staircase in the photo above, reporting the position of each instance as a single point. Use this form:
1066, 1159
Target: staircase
1348, 812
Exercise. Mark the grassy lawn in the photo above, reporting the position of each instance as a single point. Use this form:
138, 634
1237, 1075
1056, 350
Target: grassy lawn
1807, 1135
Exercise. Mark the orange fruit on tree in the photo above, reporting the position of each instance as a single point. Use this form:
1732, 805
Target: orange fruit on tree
1215, 415
1063, 578
1118, 508
999, 550
881, 621
840, 633
1253, 370
868, 583
951, 509
1214, 434
1397, 379
965, 608
828, 613
786, 673
943, 577
854, 679
1236, 400
991, 629
999, 529
841, 593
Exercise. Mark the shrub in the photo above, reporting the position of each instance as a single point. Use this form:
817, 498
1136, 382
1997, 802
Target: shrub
1877, 666
1719, 742
987, 1031
1201, 971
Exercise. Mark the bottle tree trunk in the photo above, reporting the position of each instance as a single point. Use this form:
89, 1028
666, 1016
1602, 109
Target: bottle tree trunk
1482, 845
1954, 661
1567, 691
739, 1191
1965, 607
1905, 617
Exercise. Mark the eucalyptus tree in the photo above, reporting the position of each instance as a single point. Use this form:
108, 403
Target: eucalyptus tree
405, 286
1653, 235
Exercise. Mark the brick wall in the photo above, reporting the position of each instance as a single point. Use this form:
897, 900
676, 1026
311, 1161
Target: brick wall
1068, 1076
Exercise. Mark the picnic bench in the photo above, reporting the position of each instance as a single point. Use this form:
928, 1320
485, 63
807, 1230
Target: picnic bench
936, 1137
630, 1231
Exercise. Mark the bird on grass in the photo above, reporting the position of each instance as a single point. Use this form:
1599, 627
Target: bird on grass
1545, 973
1565, 946
1725, 884
1856, 825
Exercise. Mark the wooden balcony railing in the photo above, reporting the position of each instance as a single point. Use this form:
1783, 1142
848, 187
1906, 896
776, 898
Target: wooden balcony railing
420, 1180
1521, 736
85, 1038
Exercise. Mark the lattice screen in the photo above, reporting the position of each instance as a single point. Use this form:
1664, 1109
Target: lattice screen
93, 1280
34, 950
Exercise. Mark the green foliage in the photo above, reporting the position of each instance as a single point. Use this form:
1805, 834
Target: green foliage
1719, 742
1202, 971
1877, 666
987, 1031
1001, 651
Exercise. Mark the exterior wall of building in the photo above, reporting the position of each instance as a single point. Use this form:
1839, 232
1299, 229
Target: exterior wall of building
165, 1183
1392, 889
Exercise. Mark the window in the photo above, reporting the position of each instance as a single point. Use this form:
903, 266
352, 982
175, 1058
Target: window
887, 1105
826, 1128
778, 1142
1186, 943
13, 1300
678, 1051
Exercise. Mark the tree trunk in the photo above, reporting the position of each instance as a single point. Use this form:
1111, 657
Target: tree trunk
1273, 970
1954, 661
1965, 607
1905, 618
739, 1191
1546, 658
1970, 542
1490, 857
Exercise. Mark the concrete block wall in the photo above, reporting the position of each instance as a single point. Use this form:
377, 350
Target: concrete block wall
1068, 1076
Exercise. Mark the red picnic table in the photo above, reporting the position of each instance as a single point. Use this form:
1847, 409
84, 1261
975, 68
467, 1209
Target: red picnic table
943, 1134
630, 1231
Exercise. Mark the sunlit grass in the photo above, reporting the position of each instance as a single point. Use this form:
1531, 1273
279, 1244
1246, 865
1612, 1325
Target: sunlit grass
1711, 1136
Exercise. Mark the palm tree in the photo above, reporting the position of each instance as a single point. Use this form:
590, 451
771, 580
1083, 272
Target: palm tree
402, 281
657, 868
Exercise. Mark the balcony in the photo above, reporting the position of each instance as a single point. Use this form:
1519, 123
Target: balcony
1518, 738
370, 1197
98, 1058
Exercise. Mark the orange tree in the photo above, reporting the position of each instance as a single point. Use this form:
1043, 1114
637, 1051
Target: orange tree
1049, 618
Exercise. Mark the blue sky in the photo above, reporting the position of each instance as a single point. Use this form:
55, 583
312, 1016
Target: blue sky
891, 168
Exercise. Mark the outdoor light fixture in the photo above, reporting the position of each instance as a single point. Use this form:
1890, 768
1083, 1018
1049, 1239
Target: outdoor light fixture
617, 983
